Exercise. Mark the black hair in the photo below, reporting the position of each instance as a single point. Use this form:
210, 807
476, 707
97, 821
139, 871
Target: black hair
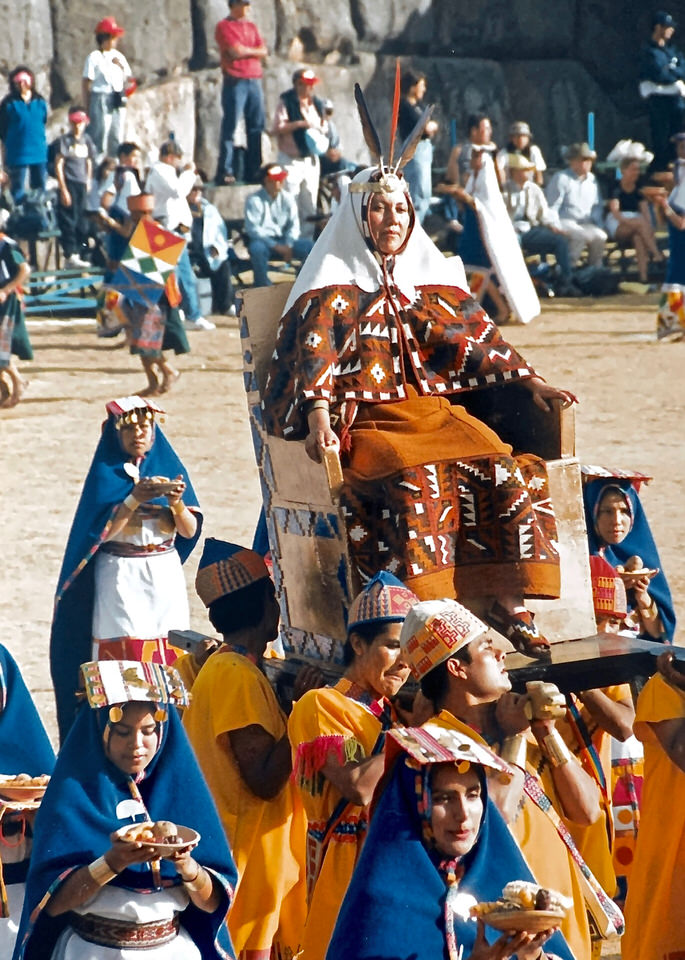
368, 632
243, 608
434, 685
475, 120
14, 89
409, 79
126, 148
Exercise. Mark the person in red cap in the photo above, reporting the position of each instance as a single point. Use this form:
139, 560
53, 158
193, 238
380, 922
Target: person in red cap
105, 74
301, 130
74, 170
242, 51
272, 224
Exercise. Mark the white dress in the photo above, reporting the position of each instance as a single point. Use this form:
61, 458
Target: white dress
140, 597
115, 903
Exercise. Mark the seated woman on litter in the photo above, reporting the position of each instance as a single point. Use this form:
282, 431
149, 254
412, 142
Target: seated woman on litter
437, 848
95, 886
619, 531
378, 337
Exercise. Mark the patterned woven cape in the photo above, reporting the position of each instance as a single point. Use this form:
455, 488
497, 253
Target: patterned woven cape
343, 344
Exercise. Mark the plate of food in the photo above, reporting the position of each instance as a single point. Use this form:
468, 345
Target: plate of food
634, 567
524, 907
166, 837
23, 787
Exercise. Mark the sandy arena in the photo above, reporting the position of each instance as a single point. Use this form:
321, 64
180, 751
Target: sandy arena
631, 390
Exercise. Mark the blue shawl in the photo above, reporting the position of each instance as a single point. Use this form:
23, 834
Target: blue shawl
79, 812
639, 542
106, 486
24, 744
394, 905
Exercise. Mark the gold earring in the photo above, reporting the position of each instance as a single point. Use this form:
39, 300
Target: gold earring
116, 714
160, 715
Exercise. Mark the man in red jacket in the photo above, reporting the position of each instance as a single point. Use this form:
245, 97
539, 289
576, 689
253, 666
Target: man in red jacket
242, 51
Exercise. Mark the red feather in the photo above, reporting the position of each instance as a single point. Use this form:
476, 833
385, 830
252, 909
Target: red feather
395, 113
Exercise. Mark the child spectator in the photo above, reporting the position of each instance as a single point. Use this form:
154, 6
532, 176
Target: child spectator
209, 247
125, 180
74, 170
23, 114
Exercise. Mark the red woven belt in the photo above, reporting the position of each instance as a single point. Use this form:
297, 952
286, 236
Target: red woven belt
118, 933
120, 549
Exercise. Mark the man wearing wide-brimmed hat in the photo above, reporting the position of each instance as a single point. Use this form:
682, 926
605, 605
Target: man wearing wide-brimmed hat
574, 194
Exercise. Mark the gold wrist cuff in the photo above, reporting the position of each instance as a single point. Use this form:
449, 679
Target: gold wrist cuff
514, 750
178, 508
101, 872
555, 749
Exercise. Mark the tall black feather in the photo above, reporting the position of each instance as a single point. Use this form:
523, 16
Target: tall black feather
411, 143
370, 134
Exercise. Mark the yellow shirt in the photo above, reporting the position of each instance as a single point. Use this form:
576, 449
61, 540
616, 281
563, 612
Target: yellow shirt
325, 722
655, 906
545, 852
267, 837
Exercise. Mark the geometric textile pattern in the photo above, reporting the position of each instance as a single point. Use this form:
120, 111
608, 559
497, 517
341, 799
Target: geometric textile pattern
452, 514
152, 251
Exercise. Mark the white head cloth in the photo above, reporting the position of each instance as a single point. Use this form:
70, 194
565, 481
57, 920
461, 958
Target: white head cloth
342, 257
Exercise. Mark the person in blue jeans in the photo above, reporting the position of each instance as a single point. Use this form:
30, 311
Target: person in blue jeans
23, 115
272, 224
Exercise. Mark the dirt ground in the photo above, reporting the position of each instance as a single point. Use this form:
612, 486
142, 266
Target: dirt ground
631, 390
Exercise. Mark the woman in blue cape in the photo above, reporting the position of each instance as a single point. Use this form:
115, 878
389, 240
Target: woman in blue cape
91, 893
24, 749
436, 846
618, 530
121, 588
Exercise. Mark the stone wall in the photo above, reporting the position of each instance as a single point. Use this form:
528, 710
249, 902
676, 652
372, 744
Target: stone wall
518, 59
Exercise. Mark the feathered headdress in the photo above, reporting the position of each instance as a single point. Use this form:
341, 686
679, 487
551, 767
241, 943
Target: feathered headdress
390, 172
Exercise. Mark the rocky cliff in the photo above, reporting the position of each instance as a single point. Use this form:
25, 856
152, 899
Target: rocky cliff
546, 62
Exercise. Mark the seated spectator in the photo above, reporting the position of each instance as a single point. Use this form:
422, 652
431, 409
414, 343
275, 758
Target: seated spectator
23, 114
301, 129
105, 74
126, 177
521, 142
209, 246
272, 224
574, 195
74, 170
537, 227
170, 184
628, 222
417, 172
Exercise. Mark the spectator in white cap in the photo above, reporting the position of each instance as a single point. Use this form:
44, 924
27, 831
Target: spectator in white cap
462, 672
301, 131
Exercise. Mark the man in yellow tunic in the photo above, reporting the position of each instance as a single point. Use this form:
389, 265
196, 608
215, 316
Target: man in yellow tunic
655, 918
337, 734
462, 674
239, 734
